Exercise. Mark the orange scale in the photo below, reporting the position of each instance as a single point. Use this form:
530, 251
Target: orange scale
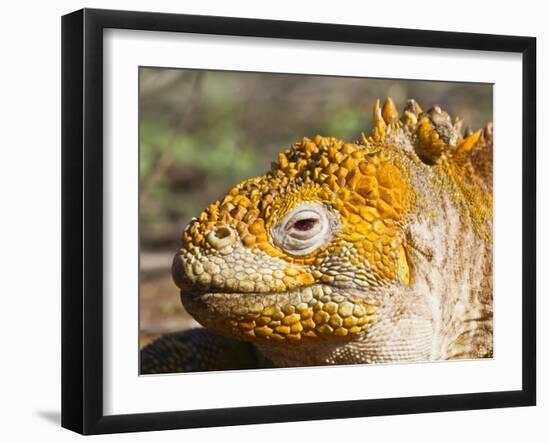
338, 204
386, 195
369, 213
363, 228
348, 163
238, 212
353, 178
348, 148
354, 237
368, 187
310, 146
197, 238
249, 240
263, 237
398, 192
203, 216
378, 226
353, 217
331, 168
367, 168
242, 227
338, 157
249, 218
332, 151
372, 237
305, 279
292, 172
301, 164
315, 173
355, 261
386, 175
356, 200
350, 208
342, 174
331, 182
245, 201
257, 227
386, 210
310, 260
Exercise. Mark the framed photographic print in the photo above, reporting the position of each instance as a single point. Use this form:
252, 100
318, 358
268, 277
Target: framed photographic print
269, 221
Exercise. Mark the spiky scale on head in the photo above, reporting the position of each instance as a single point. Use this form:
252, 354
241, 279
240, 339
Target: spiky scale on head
312, 249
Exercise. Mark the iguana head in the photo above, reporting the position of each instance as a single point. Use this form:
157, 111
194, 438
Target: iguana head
312, 250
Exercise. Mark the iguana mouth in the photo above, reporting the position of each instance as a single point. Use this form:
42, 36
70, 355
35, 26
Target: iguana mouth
304, 313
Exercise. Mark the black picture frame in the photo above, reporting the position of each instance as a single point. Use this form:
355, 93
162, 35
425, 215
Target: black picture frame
82, 220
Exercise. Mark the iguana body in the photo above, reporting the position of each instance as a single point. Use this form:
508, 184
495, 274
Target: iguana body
366, 252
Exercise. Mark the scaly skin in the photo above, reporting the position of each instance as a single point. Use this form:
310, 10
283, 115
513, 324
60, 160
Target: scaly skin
373, 251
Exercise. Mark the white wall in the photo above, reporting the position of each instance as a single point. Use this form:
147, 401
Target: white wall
30, 218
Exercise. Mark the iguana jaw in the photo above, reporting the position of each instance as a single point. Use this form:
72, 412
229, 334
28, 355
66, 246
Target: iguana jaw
305, 314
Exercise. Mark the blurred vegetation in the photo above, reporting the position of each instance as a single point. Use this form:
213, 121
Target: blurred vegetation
201, 132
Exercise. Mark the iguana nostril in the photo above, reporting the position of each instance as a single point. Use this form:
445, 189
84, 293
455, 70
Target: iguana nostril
221, 237
222, 232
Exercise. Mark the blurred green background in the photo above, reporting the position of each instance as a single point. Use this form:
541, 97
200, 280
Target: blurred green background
202, 132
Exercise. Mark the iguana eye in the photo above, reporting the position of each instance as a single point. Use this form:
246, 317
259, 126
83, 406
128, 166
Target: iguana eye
304, 229
306, 224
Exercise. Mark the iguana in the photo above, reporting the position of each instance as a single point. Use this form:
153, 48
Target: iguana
375, 251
